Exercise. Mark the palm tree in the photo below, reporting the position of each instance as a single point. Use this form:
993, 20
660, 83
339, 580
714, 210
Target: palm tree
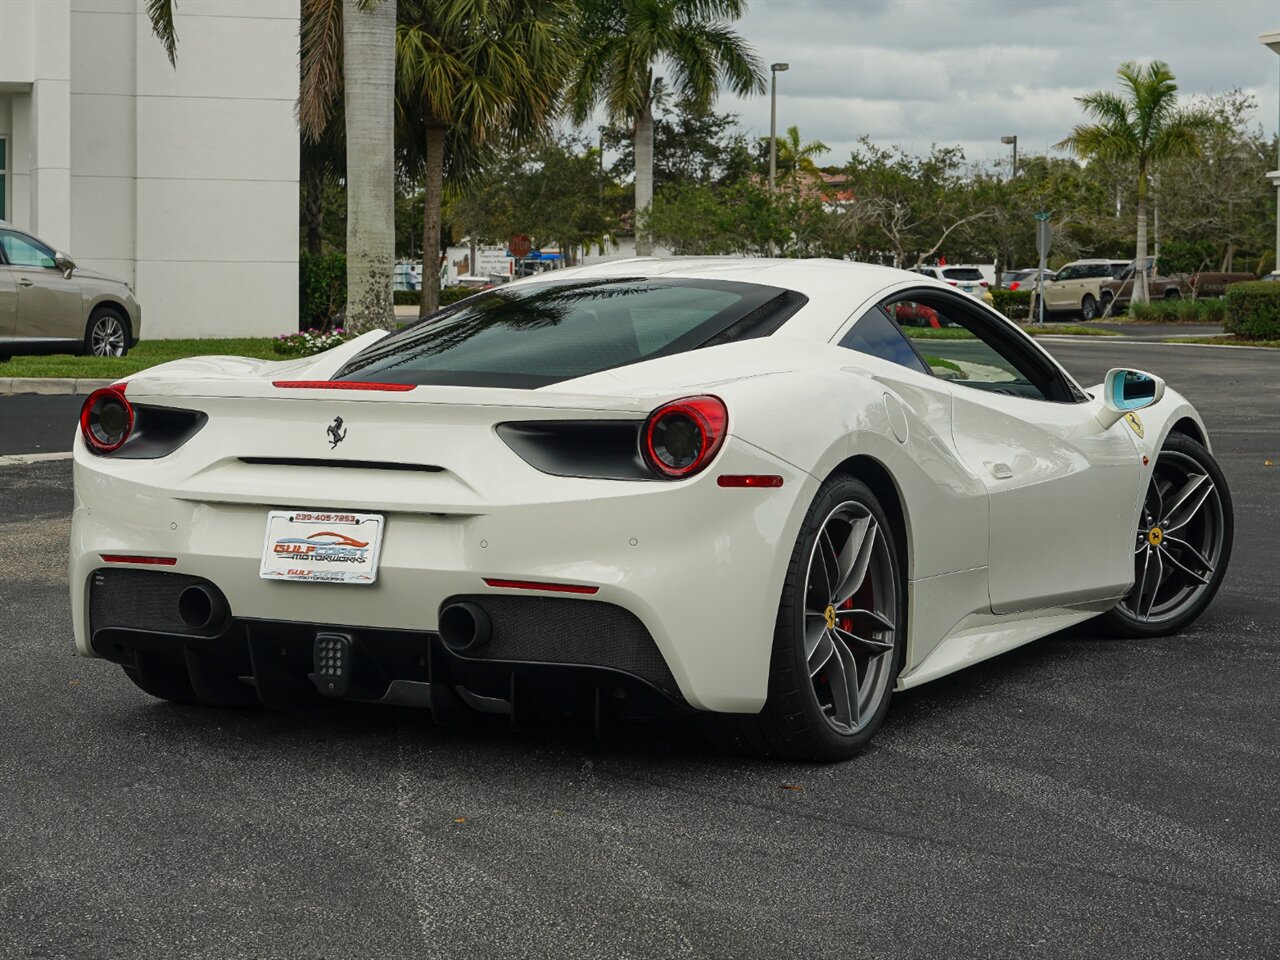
471, 71
348, 55
795, 157
1142, 126
624, 41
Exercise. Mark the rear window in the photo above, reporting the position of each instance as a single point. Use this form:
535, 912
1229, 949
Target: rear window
968, 274
538, 334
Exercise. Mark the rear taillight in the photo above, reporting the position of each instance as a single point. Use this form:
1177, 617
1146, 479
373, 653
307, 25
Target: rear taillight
106, 420
954, 282
982, 283
1015, 285
680, 438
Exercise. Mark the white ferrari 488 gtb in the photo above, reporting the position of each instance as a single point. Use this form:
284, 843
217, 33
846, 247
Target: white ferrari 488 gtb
771, 490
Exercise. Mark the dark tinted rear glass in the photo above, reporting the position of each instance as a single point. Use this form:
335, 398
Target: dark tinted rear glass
962, 273
536, 334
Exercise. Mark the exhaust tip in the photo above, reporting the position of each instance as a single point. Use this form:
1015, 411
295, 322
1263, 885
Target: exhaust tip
201, 608
465, 627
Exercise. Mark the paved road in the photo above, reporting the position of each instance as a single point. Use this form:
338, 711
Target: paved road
1081, 797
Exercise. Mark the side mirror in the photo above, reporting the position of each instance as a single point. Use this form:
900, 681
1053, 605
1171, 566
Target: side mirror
1125, 391
64, 263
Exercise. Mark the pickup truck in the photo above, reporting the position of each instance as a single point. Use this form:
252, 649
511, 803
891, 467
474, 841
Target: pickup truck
1115, 294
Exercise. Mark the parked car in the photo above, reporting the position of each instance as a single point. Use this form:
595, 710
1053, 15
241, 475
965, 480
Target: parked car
1024, 279
1077, 288
1203, 284
1116, 294
966, 277
50, 305
580, 494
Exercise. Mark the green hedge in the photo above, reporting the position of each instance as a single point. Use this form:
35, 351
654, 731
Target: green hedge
1014, 304
322, 290
1180, 310
1253, 310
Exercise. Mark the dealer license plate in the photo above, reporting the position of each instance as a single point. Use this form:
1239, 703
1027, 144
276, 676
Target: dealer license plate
322, 547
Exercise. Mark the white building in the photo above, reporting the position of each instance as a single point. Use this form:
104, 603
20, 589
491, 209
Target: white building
183, 182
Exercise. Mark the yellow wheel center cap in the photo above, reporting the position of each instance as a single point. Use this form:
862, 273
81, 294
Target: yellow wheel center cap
1154, 536
831, 617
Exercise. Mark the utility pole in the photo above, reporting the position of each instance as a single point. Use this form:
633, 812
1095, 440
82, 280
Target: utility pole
774, 70
1012, 141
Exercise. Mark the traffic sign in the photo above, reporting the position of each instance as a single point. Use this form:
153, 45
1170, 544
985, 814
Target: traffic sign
520, 246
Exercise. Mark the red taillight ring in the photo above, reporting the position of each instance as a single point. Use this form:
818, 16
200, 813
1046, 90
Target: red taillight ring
711, 417
94, 437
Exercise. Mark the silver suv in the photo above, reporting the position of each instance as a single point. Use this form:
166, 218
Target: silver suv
49, 305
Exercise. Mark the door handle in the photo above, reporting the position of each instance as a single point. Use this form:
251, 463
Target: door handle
24, 282
1001, 471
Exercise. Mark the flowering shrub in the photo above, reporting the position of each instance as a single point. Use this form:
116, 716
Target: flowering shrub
309, 342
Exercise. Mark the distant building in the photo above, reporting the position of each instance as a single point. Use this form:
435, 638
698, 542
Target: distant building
183, 182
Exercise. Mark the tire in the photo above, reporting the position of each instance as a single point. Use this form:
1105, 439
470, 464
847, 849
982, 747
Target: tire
1107, 307
107, 334
1172, 295
799, 721
1192, 546
1088, 307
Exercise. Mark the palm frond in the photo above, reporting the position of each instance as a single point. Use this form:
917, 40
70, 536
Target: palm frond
320, 42
160, 13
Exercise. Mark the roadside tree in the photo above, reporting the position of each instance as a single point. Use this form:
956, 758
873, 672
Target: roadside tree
623, 42
1143, 126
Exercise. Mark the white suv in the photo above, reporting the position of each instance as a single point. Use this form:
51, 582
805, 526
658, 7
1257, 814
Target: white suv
964, 277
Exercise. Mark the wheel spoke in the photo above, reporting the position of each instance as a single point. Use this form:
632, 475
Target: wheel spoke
1198, 577
842, 676
822, 651
827, 551
866, 620
1151, 583
871, 645
859, 560
1188, 502
1182, 545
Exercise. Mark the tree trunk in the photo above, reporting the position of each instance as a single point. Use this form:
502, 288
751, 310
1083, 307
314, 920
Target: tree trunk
1229, 256
313, 209
644, 180
1140, 261
432, 205
369, 58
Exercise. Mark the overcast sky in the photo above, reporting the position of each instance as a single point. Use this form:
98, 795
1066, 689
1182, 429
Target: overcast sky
917, 72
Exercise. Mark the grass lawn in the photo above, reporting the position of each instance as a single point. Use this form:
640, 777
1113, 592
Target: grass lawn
148, 353
1227, 340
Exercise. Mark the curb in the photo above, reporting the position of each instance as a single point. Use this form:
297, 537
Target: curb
21, 459
52, 386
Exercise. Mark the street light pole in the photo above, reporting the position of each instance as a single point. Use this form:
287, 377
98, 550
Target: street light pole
774, 70
1012, 141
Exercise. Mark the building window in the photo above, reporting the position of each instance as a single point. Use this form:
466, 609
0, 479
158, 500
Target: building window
4, 179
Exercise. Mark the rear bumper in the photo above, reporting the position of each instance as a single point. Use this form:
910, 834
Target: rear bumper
699, 567
579, 656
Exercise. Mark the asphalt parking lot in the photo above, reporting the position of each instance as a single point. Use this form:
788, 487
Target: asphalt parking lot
1080, 797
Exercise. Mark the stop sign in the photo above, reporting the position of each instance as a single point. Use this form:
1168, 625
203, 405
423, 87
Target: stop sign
520, 246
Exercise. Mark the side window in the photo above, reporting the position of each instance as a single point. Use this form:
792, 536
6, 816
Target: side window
956, 352
23, 252
1068, 273
878, 336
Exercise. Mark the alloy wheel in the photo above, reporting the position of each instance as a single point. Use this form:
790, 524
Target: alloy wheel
107, 338
1179, 540
849, 612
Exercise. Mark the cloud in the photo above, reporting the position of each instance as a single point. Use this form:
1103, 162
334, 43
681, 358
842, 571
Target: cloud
917, 72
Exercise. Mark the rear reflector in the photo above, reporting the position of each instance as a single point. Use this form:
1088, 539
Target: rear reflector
748, 480
535, 585
340, 385
125, 558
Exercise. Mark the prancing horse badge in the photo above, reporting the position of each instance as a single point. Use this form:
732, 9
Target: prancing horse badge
336, 433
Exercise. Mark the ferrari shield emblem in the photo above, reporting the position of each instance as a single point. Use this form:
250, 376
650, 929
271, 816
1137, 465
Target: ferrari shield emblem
1135, 422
